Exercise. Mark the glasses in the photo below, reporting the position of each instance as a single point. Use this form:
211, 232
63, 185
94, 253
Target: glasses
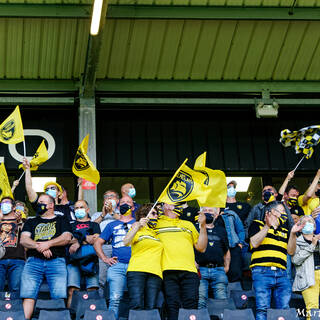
50, 188
109, 196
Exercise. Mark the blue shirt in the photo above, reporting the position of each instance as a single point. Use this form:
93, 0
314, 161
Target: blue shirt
116, 231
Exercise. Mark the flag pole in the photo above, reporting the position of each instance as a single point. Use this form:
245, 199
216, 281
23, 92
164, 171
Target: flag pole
299, 163
24, 148
22, 175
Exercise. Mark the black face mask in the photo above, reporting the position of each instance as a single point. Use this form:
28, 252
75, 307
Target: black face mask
267, 195
41, 209
209, 218
318, 193
124, 208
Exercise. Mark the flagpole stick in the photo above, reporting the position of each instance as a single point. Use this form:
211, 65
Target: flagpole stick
152, 208
24, 148
22, 175
299, 163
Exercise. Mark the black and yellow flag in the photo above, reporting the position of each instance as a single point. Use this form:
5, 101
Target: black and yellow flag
82, 165
215, 180
185, 185
11, 129
5, 189
39, 157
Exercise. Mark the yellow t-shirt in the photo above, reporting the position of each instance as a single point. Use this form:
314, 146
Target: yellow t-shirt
310, 206
146, 252
178, 238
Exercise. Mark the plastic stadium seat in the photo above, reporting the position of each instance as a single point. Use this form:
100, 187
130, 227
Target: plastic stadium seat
6, 295
245, 314
13, 315
79, 296
12, 305
90, 304
144, 315
194, 314
54, 315
50, 304
233, 286
99, 315
217, 306
283, 314
243, 299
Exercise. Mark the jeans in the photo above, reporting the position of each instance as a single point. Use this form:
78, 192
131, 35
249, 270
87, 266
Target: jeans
266, 280
217, 279
103, 267
144, 288
181, 289
74, 278
35, 269
117, 280
12, 270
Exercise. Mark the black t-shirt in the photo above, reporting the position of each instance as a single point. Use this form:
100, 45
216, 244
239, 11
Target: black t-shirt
217, 247
242, 209
66, 210
87, 227
10, 233
44, 230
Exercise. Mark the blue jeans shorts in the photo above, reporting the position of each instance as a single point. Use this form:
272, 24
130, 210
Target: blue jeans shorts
74, 278
35, 270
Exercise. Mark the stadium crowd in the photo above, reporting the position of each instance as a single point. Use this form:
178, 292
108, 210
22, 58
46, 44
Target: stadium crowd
188, 254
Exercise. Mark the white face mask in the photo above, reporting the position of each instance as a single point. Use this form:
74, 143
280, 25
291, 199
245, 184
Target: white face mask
113, 203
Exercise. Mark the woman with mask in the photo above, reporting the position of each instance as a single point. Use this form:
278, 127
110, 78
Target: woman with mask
144, 274
307, 262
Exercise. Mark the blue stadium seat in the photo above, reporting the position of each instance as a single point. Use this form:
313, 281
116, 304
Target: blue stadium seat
144, 315
233, 286
193, 314
90, 304
54, 315
245, 314
217, 306
243, 299
52, 304
79, 296
99, 315
283, 314
6, 295
11, 305
14, 315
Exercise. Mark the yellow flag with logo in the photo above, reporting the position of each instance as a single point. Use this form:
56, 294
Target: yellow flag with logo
185, 185
39, 157
5, 189
82, 165
215, 180
11, 129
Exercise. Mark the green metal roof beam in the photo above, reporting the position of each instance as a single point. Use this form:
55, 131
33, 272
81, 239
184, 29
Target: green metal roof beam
211, 13
38, 86
205, 86
159, 12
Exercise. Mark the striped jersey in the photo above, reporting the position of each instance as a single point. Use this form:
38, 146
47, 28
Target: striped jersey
273, 249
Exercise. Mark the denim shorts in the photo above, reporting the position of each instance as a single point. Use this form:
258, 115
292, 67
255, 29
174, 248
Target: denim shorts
36, 269
74, 278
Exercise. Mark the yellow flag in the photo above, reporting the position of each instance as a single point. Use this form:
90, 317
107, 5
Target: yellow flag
215, 180
185, 185
5, 189
39, 157
11, 130
82, 165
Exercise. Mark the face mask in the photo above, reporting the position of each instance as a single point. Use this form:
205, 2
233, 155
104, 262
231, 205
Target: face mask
6, 207
41, 209
283, 219
308, 228
132, 192
268, 196
52, 193
125, 209
209, 218
318, 193
152, 223
231, 192
80, 213
113, 203
292, 202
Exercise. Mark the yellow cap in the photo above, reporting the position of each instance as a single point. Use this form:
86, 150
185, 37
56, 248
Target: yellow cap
52, 183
